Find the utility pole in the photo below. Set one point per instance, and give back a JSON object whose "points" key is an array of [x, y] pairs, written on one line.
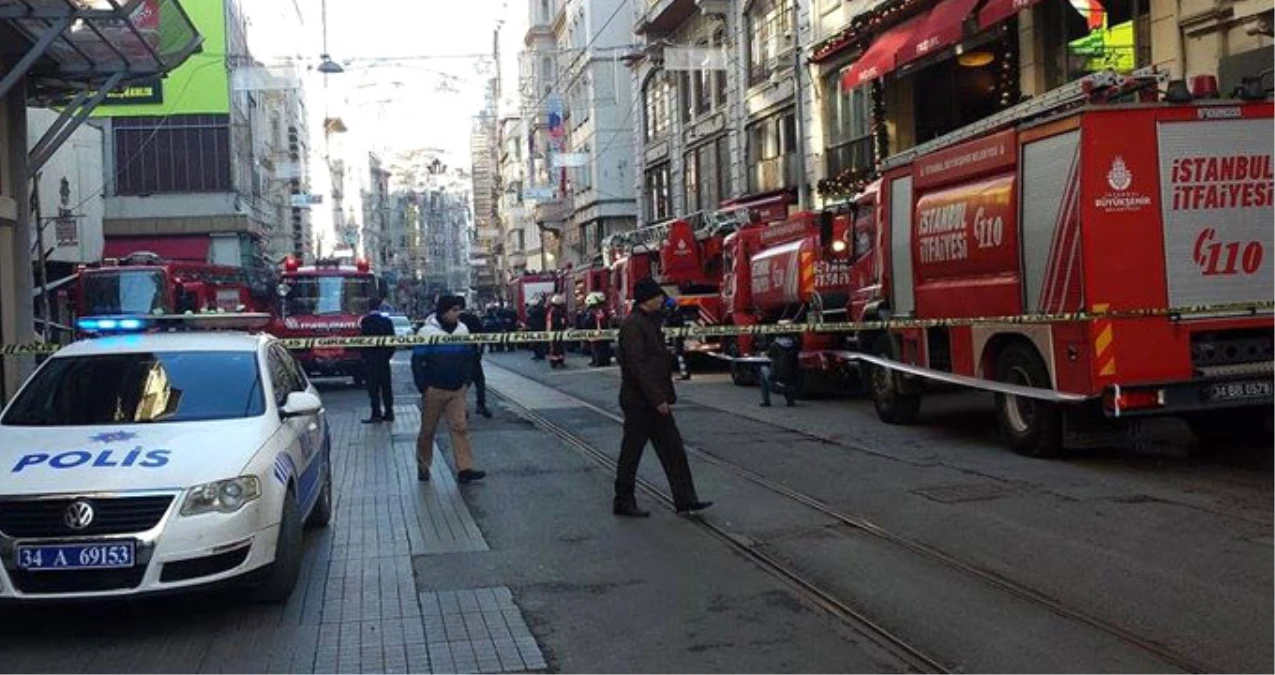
{"points": [[803, 187]]}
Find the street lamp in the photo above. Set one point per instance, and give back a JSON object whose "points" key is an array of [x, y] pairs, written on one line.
{"points": [[329, 67]]}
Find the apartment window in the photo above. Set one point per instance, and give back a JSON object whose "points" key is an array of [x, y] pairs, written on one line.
{"points": [[657, 198], [771, 144], [178, 153], [707, 175], [846, 117], [719, 81], [691, 181], [655, 97], [770, 34], [546, 74]]}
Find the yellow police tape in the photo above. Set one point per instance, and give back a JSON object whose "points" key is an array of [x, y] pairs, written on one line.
{"points": [[527, 337]]}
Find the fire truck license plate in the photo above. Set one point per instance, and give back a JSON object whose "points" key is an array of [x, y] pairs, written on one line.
{"points": [[1231, 391]]}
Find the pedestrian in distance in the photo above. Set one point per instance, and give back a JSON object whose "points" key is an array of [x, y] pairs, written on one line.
{"points": [[376, 363], [780, 373], [556, 320], [536, 317], [475, 326], [673, 319], [647, 397], [598, 319], [442, 373]]}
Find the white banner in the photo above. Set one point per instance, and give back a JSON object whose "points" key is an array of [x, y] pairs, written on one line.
{"points": [[533, 194], [302, 201], [694, 58], [564, 160]]}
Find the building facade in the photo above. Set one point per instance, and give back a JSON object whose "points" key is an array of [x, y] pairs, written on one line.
{"points": [[595, 163], [488, 248], [189, 164]]}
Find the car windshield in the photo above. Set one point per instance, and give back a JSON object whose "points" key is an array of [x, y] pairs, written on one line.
{"points": [[123, 292], [140, 387], [308, 295]]}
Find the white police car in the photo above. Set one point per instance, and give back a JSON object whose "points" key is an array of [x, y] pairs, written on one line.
{"points": [[151, 462]]}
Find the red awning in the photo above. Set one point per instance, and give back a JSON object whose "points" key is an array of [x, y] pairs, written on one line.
{"points": [[942, 27], [996, 11], [185, 249], [879, 57]]}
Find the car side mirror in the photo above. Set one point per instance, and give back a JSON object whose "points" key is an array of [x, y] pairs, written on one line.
{"points": [[300, 403]]}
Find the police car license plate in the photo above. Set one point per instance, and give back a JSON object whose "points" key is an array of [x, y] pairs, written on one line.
{"points": [[76, 556], [1232, 391]]}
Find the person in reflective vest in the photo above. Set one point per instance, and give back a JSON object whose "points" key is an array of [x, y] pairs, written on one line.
{"points": [[599, 350]]}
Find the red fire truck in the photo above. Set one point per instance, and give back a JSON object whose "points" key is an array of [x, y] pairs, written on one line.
{"points": [[685, 256], [144, 283], [526, 289], [327, 299], [791, 271], [1124, 250]]}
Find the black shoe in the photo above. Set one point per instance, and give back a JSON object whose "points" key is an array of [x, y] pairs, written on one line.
{"points": [[792, 404], [374, 419], [469, 475], [387, 418], [694, 506], [482, 410], [629, 511], [764, 404], [422, 475], [685, 377]]}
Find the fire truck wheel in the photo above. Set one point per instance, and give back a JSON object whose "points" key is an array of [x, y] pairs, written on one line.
{"points": [[1032, 427], [894, 405]]}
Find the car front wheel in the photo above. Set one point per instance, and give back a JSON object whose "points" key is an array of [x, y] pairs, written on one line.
{"points": [[283, 572]]}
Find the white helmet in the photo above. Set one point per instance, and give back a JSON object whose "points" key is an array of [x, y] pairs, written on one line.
{"points": [[594, 298], [557, 299]]}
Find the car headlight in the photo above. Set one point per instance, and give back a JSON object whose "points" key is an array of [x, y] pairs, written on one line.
{"points": [[226, 496]]}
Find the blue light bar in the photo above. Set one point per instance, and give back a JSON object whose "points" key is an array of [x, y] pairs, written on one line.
{"points": [[105, 324]]}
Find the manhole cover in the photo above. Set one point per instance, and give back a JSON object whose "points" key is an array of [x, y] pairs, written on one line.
{"points": [[950, 494]]}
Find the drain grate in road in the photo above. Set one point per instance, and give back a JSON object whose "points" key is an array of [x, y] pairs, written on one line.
{"points": [[952, 494]]}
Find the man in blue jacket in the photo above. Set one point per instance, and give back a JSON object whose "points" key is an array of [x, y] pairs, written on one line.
{"points": [[442, 373]]}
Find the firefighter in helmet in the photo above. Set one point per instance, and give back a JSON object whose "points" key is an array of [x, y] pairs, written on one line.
{"points": [[597, 319], [556, 320]]}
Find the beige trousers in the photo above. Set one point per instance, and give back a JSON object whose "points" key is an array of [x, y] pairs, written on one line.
{"points": [[434, 404]]}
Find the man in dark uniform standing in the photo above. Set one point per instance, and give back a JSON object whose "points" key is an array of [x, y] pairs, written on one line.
{"points": [[646, 396], [475, 327], [376, 363]]}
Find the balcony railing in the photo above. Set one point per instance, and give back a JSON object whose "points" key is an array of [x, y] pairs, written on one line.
{"points": [[774, 174], [855, 155]]}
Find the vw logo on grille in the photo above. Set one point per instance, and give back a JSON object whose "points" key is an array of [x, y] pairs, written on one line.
{"points": [[78, 515]]}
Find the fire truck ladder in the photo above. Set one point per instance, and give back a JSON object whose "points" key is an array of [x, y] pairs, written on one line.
{"points": [[1094, 88]]}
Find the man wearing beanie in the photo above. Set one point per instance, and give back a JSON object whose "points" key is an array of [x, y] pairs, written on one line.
{"points": [[442, 373], [646, 394]]}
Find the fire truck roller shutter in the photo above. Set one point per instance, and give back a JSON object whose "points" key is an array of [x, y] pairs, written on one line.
{"points": [[1050, 218], [903, 302]]}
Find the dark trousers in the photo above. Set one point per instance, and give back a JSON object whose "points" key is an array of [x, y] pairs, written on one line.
{"points": [[379, 388], [643, 423], [480, 381]]}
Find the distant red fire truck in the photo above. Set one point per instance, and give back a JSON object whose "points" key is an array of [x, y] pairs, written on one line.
{"points": [[326, 299], [144, 283]]}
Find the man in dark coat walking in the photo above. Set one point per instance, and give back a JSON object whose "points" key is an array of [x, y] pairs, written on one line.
{"points": [[646, 396], [376, 363]]}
